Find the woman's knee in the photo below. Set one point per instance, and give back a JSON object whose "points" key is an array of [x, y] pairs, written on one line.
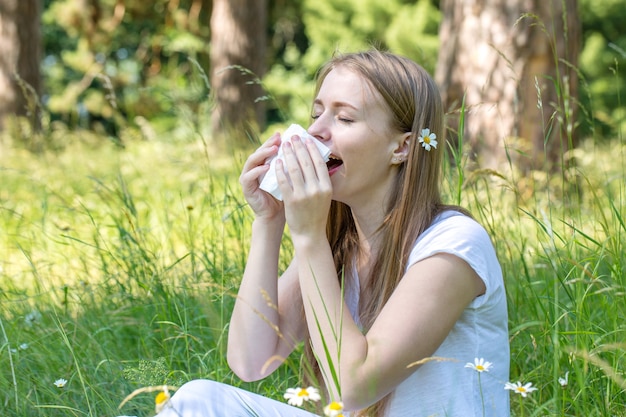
{"points": [[200, 397], [200, 388]]}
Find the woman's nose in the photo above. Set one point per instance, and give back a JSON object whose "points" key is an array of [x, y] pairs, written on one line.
{"points": [[318, 130]]}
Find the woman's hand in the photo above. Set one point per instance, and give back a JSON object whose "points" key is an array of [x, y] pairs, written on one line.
{"points": [[306, 188], [262, 203]]}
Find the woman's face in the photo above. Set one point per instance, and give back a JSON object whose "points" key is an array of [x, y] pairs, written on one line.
{"points": [[350, 117]]}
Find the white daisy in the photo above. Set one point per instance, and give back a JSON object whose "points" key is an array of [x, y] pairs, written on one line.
{"points": [[479, 365], [518, 388], [60, 383], [297, 396], [334, 409], [428, 139]]}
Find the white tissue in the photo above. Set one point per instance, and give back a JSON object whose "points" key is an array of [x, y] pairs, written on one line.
{"points": [[269, 182]]}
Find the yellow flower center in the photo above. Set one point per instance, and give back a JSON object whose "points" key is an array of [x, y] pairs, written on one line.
{"points": [[335, 406], [521, 389], [427, 139], [480, 368], [303, 393], [161, 398]]}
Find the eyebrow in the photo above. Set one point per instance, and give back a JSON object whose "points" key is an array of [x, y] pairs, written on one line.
{"points": [[335, 104]]}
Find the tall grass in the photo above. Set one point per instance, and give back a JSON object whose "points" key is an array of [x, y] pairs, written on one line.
{"points": [[565, 274], [560, 236], [117, 270]]}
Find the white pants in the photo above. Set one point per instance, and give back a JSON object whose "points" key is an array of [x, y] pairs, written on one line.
{"points": [[205, 398]]}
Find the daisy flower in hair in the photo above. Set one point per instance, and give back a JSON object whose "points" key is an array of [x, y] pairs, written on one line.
{"points": [[428, 139]]}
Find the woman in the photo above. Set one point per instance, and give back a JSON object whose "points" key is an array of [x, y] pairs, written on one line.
{"points": [[392, 291]]}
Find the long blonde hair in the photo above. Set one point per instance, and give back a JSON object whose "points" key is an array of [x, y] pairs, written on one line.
{"points": [[415, 104]]}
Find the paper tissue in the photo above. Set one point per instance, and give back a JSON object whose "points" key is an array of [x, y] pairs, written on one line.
{"points": [[269, 182]]}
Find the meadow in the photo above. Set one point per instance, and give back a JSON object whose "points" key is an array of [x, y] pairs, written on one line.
{"points": [[119, 267]]}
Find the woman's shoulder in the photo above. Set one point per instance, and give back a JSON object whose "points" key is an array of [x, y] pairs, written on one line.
{"points": [[456, 233], [453, 224]]}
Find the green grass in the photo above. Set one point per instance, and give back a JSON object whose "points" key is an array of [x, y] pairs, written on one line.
{"points": [[132, 258], [561, 249]]}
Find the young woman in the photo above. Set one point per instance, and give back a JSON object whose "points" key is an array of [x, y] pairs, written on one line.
{"points": [[392, 291]]}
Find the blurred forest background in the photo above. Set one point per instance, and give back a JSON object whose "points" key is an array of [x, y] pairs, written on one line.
{"points": [[84, 70]]}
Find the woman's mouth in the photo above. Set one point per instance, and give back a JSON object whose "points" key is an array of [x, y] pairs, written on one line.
{"points": [[333, 164]]}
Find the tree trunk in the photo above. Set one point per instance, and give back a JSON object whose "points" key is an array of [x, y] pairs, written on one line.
{"points": [[512, 63], [238, 61], [20, 55]]}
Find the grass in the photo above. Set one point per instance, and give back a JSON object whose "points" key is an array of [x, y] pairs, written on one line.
{"points": [[130, 260], [118, 270], [565, 271]]}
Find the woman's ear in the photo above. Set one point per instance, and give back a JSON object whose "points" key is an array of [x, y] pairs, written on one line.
{"points": [[401, 152]]}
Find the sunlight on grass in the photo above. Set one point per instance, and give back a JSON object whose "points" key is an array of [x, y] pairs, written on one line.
{"points": [[114, 263]]}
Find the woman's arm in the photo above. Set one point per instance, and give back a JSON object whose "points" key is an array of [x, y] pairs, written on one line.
{"points": [[266, 322], [415, 321]]}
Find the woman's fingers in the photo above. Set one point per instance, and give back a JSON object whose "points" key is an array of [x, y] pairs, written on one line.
{"points": [[263, 204], [297, 162], [255, 165], [321, 170], [305, 187], [265, 151], [313, 166], [306, 169], [249, 179]]}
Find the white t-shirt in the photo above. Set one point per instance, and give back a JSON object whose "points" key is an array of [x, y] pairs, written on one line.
{"points": [[448, 388]]}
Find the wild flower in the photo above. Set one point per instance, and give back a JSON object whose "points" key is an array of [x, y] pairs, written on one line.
{"points": [[60, 383], [24, 346], [297, 396], [520, 389], [334, 409], [428, 139], [32, 317], [161, 399], [564, 381], [479, 365]]}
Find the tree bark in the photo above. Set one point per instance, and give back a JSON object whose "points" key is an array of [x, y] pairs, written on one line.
{"points": [[511, 61], [20, 56], [238, 61]]}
